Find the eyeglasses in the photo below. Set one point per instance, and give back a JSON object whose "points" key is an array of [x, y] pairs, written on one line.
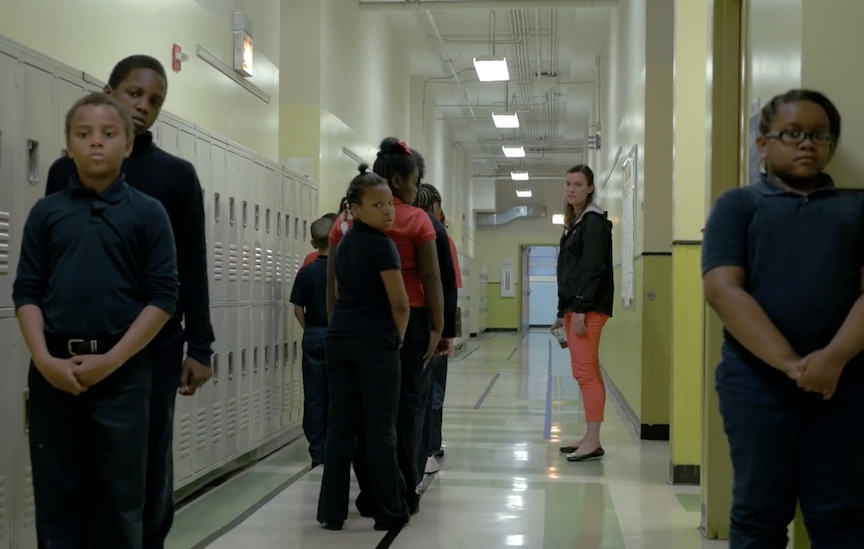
{"points": [[796, 137]]}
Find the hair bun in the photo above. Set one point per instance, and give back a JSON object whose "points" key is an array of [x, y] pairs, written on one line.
{"points": [[364, 169]]}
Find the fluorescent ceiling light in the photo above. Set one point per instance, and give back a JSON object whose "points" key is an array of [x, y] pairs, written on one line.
{"points": [[524, 193], [519, 176], [557, 219], [491, 68], [506, 120], [514, 152]]}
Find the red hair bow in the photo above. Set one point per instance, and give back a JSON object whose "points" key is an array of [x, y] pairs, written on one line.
{"points": [[404, 147]]}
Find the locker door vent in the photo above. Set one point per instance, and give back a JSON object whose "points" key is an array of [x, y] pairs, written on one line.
{"points": [[244, 413], [29, 510], [259, 264], [278, 266], [201, 429], [232, 262], [5, 242], [256, 407], [269, 268], [231, 429], [217, 260], [216, 433], [185, 435], [247, 263]]}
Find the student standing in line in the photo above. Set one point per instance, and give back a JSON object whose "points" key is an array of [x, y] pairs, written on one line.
{"points": [[313, 255], [782, 262], [414, 236], [96, 281], [309, 297], [139, 84], [586, 290], [429, 200], [367, 329]]}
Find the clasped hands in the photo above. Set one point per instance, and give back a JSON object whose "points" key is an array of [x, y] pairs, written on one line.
{"points": [[817, 372], [74, 375]]}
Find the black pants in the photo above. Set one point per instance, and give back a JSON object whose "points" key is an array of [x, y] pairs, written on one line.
{"points": [[166, 357], [315, 392], [364, 379], [89, 458], [409, 425], [424, 418], [789, 446], [435, 411]]}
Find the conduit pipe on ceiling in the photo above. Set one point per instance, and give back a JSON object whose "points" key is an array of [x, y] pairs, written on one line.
{"points": [[420, 5]]}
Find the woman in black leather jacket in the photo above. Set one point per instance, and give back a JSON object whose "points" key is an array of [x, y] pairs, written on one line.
{"points": [[586, 291]]}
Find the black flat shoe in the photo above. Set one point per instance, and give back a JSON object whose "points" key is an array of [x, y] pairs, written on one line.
{"points": [[568, 449], [333, 525], [596, 454], [395, 524]]}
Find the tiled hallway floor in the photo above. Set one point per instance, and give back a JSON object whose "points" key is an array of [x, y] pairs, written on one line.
{"points": [[503, 483]]}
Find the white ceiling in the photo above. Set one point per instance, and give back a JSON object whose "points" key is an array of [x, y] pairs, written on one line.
{"points": [[554, 107]]}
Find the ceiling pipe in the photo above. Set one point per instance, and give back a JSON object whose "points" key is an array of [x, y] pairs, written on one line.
{"points": [[420, 5]]}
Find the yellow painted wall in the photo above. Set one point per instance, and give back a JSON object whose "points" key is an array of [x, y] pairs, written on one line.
{"points": [[635, 347], [92, 35], [686, 396]]}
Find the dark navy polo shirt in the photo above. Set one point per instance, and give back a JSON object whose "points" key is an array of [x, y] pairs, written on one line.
{"points": [[93, 262], [310, 292], [362, 309], [802, 255]]}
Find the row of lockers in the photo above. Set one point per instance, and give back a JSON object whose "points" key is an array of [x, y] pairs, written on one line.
{"points": [[258, 216]]}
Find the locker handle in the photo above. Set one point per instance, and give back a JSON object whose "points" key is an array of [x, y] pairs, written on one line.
{"points": [[243, 362], [294, 357], [255, 360], [215, 368], [267, 357], [33, 161], [26, 411], [230, 365]]}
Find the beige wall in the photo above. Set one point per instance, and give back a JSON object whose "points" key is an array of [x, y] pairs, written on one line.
{"points": [[92, 35]]}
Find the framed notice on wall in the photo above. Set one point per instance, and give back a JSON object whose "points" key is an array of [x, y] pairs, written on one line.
{"points": [[508, 282], [628, 231]]}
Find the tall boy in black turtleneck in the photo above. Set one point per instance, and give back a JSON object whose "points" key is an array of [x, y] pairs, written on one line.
{"points": [[140, 84]]}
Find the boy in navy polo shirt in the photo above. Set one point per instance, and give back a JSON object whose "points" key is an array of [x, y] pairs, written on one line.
{"points": [[782, 263], [96, 281], [309, 297]]}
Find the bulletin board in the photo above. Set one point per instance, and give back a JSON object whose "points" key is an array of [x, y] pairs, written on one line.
{"points": [[628, 229]]}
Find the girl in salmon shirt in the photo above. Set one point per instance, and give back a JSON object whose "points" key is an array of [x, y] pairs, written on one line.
{"points": [[414, 236]]}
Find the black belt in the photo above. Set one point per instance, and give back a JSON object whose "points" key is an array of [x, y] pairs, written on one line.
{"points": [[78, 346]]}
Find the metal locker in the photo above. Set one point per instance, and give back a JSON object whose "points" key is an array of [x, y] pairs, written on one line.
{"points": [[69, 90], [218, 386], [24, 505], [257, 374], [182, 441], [244, 421], [305, 207], [246, 186], [267, 371], [287, 385], [287, 233], [230, 380], [11, 218], [233, 186], [11, 389], [299, 248], [259, 199], [38, 142], [269, 208], [218, 224], [277, 377], [168, 137]]}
